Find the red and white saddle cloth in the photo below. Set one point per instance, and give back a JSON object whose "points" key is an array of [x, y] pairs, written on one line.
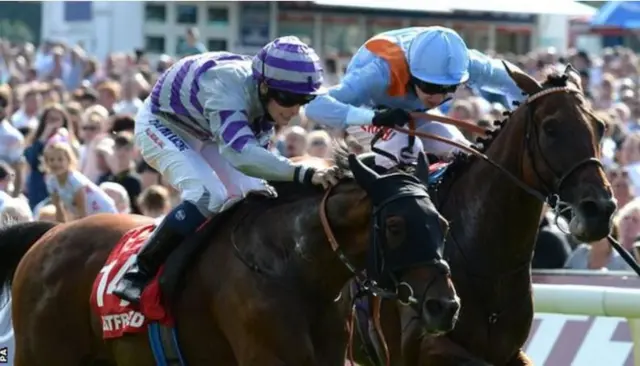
{"points": [[118, 316]]}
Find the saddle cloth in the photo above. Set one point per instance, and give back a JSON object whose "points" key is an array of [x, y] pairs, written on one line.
{"points": [[118, 316]]}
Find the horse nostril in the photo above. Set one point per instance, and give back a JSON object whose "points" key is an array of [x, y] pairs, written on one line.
{"points": [[588, 208], [434, 307]]}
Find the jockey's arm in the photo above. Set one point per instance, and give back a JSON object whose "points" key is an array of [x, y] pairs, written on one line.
{"points": [[239, 146], [225, 107], [339, 108], [256, 161], [490, 75]]}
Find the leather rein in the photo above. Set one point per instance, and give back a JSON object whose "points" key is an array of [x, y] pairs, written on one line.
{"points": [[552, 199]]}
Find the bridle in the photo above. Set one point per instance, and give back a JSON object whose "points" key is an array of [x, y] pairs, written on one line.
{"points": [[551, 193], [367, 284]]}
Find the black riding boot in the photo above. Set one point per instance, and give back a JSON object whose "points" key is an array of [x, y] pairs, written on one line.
{"points": [[153, 254]]}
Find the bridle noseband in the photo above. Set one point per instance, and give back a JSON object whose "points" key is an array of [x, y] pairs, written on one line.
{"points": [[552, 190], [367, 284]]}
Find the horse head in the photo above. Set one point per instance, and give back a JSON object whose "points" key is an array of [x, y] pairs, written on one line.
{"points": [[562, 150], [405, 238]]}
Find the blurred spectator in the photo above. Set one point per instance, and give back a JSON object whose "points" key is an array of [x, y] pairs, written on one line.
{"points": [[52, 120], [122, 168], [148, 175], [332, 73], [122, 122], [15, 211], [129, 103], [318, 144], [154, 201], [628, 222], [119, 195], [598, 255], [26, 118], [295, 141], [623, 189], [109, 95], [192, 44]]}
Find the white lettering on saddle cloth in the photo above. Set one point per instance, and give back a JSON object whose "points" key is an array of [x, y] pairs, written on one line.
{"points": [[119, 321], [116, 314]]}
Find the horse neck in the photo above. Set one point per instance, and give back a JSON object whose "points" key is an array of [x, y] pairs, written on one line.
{"points": [[493, 220], [323, 271]]}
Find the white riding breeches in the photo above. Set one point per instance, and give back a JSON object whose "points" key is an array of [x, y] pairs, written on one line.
{"points": [[193, 167], [395, 142]]}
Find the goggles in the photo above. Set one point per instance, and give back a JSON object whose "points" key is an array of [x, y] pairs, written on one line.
{"points": [[288, 99], [429, 88]]}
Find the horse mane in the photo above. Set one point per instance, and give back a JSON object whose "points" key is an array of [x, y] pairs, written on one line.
{"points": [[462, 160]]}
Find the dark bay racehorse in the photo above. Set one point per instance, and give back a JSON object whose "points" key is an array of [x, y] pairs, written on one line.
{"points": [[281, 311], [550, 143]]}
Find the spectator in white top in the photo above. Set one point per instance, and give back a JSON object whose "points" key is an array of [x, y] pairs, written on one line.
{"points": [[15, 211], [119, 195], [129, 102], [26, 118]]}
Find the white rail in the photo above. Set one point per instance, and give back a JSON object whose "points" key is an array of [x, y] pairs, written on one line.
{"points": [[587, 300]]}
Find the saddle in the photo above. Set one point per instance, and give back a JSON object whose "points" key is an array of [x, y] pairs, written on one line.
{"points": [[182, 257]]}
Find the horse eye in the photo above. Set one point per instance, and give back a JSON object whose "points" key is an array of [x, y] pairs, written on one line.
{"points": [[549, 128], [395, 224]]}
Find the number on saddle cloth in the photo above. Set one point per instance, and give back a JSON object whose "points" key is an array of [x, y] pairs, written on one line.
{"points": [[118, 317]]}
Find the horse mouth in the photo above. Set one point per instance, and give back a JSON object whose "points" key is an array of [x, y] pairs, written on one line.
{"points": [[438, 323], [588, 230]]}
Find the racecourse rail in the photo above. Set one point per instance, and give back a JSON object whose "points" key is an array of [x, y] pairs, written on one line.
{"points": [[593, 300]]}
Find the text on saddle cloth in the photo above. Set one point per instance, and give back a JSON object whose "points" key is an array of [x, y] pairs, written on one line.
{"points": [[118, 316]]}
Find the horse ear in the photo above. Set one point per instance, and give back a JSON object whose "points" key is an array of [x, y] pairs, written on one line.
{"points": [[525, 82], [574, 76], [363, 175], [422, 170]]}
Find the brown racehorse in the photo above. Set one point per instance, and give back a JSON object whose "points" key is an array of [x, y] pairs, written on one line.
{"points": [[550, 143], [230, 313]]}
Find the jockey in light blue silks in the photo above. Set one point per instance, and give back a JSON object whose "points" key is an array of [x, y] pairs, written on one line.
{"points": [[410, 69], [205, 128]]}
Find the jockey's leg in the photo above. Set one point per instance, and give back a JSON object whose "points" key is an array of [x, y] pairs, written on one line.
{"points": [[179, 161], [398, 146], [439, 148]]}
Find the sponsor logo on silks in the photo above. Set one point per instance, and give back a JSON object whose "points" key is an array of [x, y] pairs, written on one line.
{"points": [[375, 129], [156, 140], [166, 132], [4, 355], [113, 322]]}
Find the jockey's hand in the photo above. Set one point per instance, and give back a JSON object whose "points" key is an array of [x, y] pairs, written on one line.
{"points": [[326, 177], [391, 118]]}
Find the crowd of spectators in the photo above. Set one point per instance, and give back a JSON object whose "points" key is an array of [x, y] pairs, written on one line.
{"points": [[67, 151]]}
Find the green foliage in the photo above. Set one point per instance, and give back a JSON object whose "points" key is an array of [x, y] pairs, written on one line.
{"points": [[15, 31]]}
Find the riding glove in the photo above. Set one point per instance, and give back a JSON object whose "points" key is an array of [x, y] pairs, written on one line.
{"points": [[326, 177], [391, 118]]}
